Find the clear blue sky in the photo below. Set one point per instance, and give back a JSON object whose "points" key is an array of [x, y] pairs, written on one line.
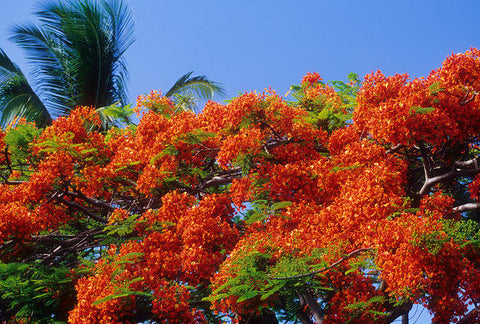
{"points": [[251, 45]]}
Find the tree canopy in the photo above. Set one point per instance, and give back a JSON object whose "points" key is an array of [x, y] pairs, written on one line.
{"points": [[351, 202]]}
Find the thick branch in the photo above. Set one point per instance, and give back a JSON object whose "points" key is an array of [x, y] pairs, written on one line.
{"points": [[82, 209], [466, 101], [220, 178], [92, 201], [400, 310], [426, 160], [274, 142], [348, 256], [7, 159], [471, 317], [466, 207], [394, 149], [460, 168], [312, 303], [62, 246]]}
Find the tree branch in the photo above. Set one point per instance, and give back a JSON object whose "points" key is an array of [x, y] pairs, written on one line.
{"points": [[465, 100], [348, 256], [82, 209], [470, 317], [460, 168], [312, 303], [219, 178], [394, 149], [399, 311], [467, 206], [425, 159], [92, 201], [62, 245]]}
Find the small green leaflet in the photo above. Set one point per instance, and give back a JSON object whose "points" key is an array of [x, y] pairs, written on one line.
{"points": [[415, 110]]}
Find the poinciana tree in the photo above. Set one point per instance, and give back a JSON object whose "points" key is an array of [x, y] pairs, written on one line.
{"points": [[333, 207]]}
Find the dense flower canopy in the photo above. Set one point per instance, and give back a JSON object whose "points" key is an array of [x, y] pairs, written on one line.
{"points": [[350, 202]]}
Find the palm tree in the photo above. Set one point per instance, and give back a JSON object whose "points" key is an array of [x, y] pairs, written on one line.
{"points": [[77, 57], [187, 90], [17, 97]]}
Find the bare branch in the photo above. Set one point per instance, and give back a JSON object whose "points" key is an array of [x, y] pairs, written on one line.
{"points": [[467, 163], [271, 143], [62, 245], [82, 209], [466, 101], [92, 201], [467, 206], [394, 149], [220, 178], [425, 159], [460, 168], [313, 306], [7, 159]]}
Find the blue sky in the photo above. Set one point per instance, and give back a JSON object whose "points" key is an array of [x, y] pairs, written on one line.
{"points": [[252, 45]]}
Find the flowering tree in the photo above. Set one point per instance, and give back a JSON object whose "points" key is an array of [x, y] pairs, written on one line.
{"points": [[347, 203]]}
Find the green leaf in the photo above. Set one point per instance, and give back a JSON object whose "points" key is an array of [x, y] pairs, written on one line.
{"points": [[420, 110], [250, 294], [378, 313], [271, 292], [132, 255], [281, 205], [110, 297]]}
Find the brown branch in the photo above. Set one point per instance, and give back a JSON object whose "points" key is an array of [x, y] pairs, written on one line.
{"points": [[466, 101], [7, 159], [471, 317], [313, 306], [91, 201], [82, 209], [425, 159], [220, 178], [467, 206], [348, 256], [62, 245], [399, 311], [460, 168], [394, 149], [13, 183], [271, 143], [467, 163]]}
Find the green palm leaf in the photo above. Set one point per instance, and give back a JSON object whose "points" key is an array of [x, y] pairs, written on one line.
{"points": [[200, 85], [77, 52], [17, 97]]}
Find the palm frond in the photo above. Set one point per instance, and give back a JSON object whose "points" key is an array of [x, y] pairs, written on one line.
{"points": [[200, 85], [7, 67], [49, 60], [17, 98], [99, 35], [77, 51]]}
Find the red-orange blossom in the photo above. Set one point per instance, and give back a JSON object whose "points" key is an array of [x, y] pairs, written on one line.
{"points": [[260, 207]]}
